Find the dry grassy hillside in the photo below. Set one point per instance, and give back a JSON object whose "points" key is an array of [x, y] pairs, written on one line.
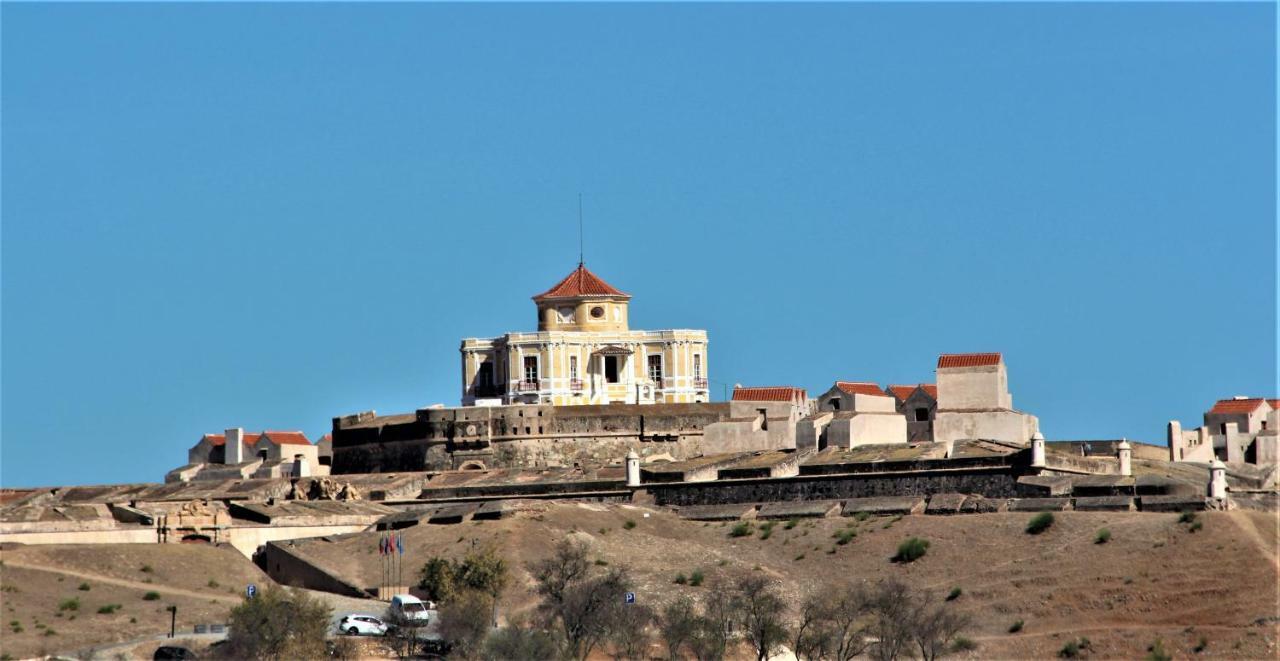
{"points": [[1155, 579], [40, 584]]}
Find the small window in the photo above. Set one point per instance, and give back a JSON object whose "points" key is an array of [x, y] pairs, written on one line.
{"points": [[1224, 429], [530, 369], [764, 419], [697, 366], [484, 374], [655, 368], [922, 415], [597, 312], [573, 368], [834, 403], [611, 369]]}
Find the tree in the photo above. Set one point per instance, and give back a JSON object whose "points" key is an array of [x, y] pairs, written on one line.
{"points": [[278, 623], [587, 607], [518, 641], [715, 629], [436, 579], [891, 606], [761, 614], [933, 626], [677, 624], [629, 632], [464, 623], [483, 570]]}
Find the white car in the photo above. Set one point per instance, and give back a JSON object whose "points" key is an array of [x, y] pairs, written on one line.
{"points": [[362, 625], [412, 609]]}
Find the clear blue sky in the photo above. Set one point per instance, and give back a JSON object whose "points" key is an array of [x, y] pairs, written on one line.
{"points": [[268, 215]]}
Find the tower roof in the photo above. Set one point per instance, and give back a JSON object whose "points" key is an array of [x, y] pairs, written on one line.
{"points": [[580, 283]]}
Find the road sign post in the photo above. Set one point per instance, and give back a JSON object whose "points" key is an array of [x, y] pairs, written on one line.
{"points": [[629, 598], [251, 591]]}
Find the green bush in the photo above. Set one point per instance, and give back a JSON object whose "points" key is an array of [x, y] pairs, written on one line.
{"points": [[601, 562], [1015, 627], [861, 516], [1070, 651], [696, 578], [799, 558], [1187, 517], [1102, 537], [213, 584], [69, 605], [84, 587], [628, 524], [151, 596], [680, 579], [146, 569], [791, 523], [766, 529], [911, 550], [740, 529], [962, 644], [845, 536], [954, 594], [1200, 645], [1156, 652], [1040, 523], [109, 609], [1196, 526]]}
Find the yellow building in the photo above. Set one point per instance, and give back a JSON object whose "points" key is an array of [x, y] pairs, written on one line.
{"points": [[583, 353]]}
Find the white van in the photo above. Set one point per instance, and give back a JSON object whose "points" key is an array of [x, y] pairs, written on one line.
{"points": [[412, 608]]}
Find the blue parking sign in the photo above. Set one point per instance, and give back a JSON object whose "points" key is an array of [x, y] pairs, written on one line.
{"points": [[629, 598], [251, 591]]}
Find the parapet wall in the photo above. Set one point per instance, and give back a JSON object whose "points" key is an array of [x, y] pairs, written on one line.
{"points": [[992, 482], [533, 436]]}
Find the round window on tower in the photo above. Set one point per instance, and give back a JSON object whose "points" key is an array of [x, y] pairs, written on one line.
{"points": [[597, 312]]}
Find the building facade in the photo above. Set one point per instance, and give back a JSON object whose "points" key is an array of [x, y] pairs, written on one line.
{"points": [[1236, 430], [584, 353], [974, 401]]}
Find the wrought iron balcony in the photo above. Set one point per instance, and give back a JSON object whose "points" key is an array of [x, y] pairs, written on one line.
{"points": [[700, 384], [575, 385], [527, 386]]}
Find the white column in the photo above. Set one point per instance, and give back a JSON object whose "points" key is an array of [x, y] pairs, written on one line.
{"points": [[1217, 479], [1037, 450], [234, 448], [633, 469], [1125, 452]]}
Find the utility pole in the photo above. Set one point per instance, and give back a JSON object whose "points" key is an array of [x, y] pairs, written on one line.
{"points": [[173, 620]]}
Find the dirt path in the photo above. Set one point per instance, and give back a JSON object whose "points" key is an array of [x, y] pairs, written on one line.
{"points": [[1110, 627], [146, 587], [1250, 530]]}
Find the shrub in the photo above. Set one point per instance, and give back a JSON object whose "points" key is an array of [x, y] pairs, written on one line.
{"points": [[1200, 645], [1015, 627], [628, 524], [109, 609], [50, 632], [278, 624], [133, 620], [1156, 652], [954, 594], [213, 584], [1070, 651], [799, 557], [680, 579], [1040, 523], [1187, 517], [1196, 526], [845, 536], [766, 530], [1102, 537], [862, 516], [151, 596], [791, 523], [911, 550], [696, 578], [146, 569], [84, 587], [69, 604], [601, 562], [740, 529], [962, 644]]}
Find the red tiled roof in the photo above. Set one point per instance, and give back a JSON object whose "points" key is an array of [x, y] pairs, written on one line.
{"points": [[286, 437], [860, 388], [580, 283], [902, 392], [1237, 405], [221, 439], [968, 359], [1275, 404], [276, 437], [931, 389], [768, 394]]}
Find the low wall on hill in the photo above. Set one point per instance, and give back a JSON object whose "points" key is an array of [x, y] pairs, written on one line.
{"points": [[992, 482]]}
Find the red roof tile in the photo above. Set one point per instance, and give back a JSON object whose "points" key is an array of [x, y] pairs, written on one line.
{"points": [[902, 392], [580, 283], [968, 359], [1237, 405], [276, 437], [768, 394], [1275, 404], [286, 437], [931, 389], [860, 388]]}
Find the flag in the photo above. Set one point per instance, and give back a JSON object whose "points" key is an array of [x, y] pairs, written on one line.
{"points": [[382, 545], [400, 543]]}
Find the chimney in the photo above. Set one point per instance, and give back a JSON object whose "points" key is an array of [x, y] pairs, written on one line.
{"points": [[234, 449]]}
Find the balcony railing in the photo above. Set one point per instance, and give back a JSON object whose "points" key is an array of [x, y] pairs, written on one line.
{"points": [[700, 384], [527, 386], [575, 385]]}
